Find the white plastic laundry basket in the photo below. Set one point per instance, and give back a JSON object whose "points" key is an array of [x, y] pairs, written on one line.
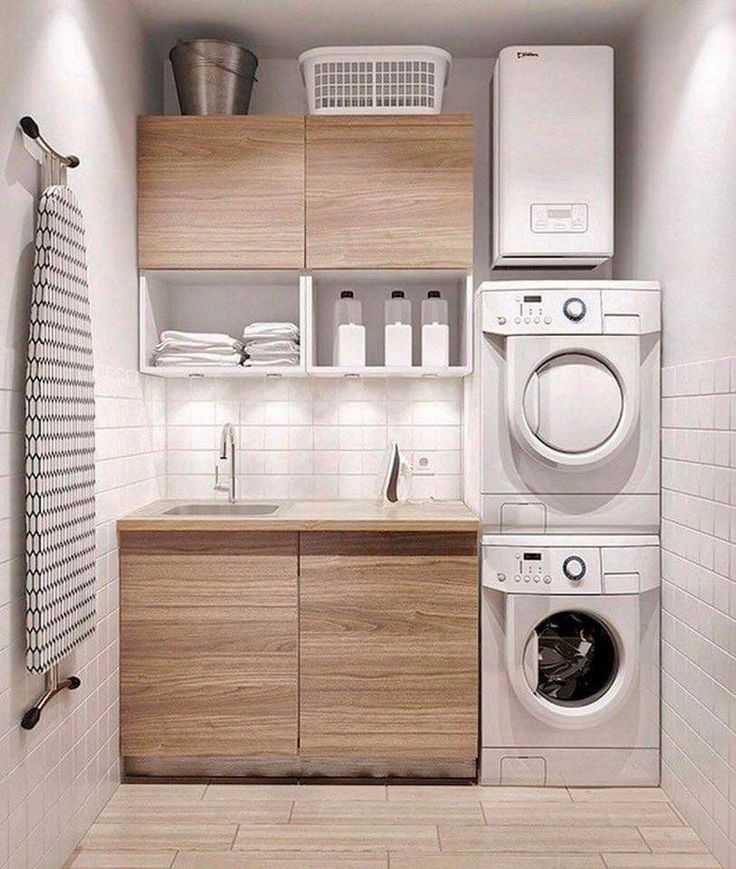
{"points": [[375, 80]]}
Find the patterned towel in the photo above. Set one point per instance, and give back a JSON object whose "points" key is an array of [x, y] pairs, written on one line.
{"points": [[60, 439]]}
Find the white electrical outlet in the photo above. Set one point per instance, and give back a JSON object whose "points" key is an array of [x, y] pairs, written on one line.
{"points": [[423, 464]]}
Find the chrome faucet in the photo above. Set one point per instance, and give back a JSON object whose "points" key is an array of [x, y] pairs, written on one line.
{"points": [[227, 440]]}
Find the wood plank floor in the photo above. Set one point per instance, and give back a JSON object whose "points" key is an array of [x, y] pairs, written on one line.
{"points": [[389, 827]]}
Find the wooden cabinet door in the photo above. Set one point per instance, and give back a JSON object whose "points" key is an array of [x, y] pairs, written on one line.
{"points": [[208, 643], [389, 192], [221, 192], [389, 645]]}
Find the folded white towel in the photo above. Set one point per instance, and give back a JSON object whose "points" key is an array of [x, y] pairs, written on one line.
{"points": [[262, 363], [198, 359], [270, 330], [197, 337], [273, 343], [272, 347], [170, 347], [275, 360]]}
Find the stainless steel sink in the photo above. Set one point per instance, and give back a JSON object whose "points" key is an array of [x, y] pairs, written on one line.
{"points": [[244, 509]]}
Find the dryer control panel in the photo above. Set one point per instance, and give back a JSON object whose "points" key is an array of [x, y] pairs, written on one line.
{"points": [[569, 308], [543, 312]]}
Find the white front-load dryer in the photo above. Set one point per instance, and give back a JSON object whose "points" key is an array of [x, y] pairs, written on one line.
{"points": [[570, 660], [568, 407]]}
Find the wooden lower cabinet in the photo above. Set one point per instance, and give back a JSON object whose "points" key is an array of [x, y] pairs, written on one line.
{"points": [[209, 644], [389, 645]]}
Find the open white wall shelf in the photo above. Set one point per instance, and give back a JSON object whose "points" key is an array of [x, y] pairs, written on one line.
{"points": [[218, 301], [372, 288], [227, 301]]}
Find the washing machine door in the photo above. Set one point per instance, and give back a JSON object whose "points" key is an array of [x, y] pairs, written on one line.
{"points": [[574, 404], [572, 662]]}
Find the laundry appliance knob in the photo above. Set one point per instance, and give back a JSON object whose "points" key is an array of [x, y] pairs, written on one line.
{"points": [[574, 568], [574, 309]]}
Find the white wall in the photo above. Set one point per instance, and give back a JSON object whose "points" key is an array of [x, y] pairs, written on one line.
{"points": [[80, 67], [677, 223], [676, 171]]}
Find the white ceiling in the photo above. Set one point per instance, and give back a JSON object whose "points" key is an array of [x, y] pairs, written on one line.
{"points": [[466, 28]]}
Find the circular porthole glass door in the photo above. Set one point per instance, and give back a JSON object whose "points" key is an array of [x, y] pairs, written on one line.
{"points": [[573, 403], [571, 659]]}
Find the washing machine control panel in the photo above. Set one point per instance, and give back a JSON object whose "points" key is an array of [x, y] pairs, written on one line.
{"points": [[542, 570], [543, 312]]}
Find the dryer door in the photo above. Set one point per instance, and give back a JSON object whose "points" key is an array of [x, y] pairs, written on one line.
{"points": [[575, 404], [572, 661]]}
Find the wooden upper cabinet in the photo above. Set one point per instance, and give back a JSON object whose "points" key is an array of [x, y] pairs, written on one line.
{"points": [[208, 644], [389, 192], [389, 645], [221, 192]]}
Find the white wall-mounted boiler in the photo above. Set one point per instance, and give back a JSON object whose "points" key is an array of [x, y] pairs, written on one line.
{"points": [[553, 156]]}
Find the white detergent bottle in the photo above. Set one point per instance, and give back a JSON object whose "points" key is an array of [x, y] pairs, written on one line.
{"points": [[435, 331], [397, 331], [349, 336]]}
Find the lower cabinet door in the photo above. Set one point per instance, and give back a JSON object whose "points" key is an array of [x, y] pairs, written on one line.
{"points": [[209, 630], [389, 645]]}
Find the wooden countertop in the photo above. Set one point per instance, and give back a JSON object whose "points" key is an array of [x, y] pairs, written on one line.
{"points": [[311, 516]]}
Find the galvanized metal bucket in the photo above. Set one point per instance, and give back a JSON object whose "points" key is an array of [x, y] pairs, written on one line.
{"points": [[213, 77]]}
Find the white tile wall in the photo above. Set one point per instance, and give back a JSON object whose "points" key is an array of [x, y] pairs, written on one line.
{"points": [[699, 598], [56, 778], [312, 438]]}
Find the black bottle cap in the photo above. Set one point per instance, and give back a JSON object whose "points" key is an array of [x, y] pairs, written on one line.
{"points": [[397, 294], [347, 294], [433, 294]]}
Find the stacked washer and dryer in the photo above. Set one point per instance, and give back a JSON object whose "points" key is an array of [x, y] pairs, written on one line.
{"points": [[567, 412]]}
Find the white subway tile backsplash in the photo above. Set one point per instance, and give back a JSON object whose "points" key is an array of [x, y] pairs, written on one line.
{"points": [[350, 463], [373, 437], [349, 437], [303, 436], [326, 488], [325, 438], [326, 462], [699, 597], [276, 413], [276, 437]]}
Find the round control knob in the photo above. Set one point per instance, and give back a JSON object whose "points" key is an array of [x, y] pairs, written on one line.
{"points": [[574, 568], [574, 309]]}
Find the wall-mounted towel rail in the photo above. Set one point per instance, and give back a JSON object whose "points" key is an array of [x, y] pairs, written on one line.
{"points": [[30, 128]]}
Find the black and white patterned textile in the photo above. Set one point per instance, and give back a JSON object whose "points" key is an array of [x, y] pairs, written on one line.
{"points": [[60, 439]]}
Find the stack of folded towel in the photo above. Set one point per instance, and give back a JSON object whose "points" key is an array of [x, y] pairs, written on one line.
{"points": [[271, 344], [198, 348]]}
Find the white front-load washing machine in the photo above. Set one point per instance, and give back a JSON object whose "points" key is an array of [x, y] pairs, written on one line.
{"points": [[566, 407], [570, 660]]}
